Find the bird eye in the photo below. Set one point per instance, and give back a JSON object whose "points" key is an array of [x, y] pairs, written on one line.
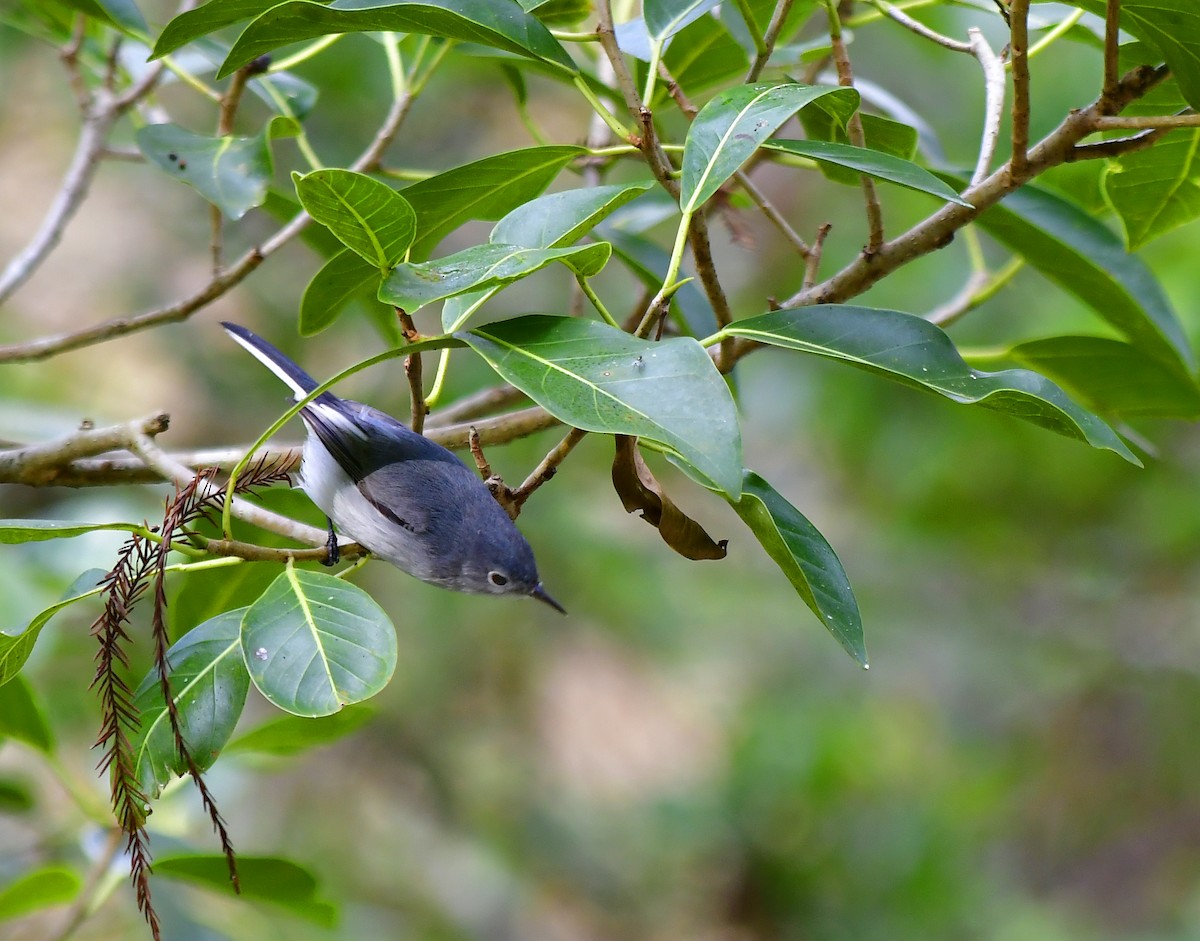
{"points": [[498, 579]]}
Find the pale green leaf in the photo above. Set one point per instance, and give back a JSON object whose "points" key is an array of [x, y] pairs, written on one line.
{"points": [[15, 648], [42, 888], [341, 279], [367, 216], [314, 643], [269, 879], [598, 378]]}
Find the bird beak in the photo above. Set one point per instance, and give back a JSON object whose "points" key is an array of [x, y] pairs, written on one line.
{"points": [[540, 594]]}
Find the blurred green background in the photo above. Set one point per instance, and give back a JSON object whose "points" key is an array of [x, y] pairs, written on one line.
{"points": [[688, 755]]}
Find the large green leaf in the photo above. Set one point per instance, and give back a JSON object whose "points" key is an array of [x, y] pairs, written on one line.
{"points": [[341, 279], [879, 134], [806, 559], [1156, 189], [42, 888], [204, 19], [1170, 26], [314, 643], [1085, 258], [15, 648], [916, 353], [21, 716], [598, 378], [499, 23], [731, 127], [412, 286], [1111, 377], [208, 685], [486, 189], [367, 216], [290, 735], [881, 166], [267, 878], [17, 531], [664, 18], [232, 173], [559, 219]]}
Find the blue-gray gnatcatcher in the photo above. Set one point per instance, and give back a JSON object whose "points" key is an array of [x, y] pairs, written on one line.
{"points": [[401, 496]]}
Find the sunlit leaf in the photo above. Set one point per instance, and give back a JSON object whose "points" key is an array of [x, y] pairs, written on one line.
{"points": [[485, 189], [17, 531], [291, 735], [412, 286], [314, 643], [664, 18], [232, 173], [912, 351], [367, 216], [21, 716], [15, 648], [208, 685], [731, 127], [559, 219], [204, 19], [42, 888], [806, 558], [266, 878], [598, 378], [498, 23], [1156, 189], [873, 163]]}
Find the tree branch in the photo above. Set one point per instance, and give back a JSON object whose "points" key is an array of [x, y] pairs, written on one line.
{"points": [[1018, 14]]}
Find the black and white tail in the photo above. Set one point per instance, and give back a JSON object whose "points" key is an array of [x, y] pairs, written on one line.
{"points": [[300, 382]]}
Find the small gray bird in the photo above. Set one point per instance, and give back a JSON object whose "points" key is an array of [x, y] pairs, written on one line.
{"points": [[403, 497]]}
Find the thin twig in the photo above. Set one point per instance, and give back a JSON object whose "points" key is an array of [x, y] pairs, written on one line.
{"points": [[413, 369], [1018, 13], [608, 42], [920, 28], [980, 287], [81, 907], [1117, 146], [548, 467], [774, 215], [854, 129], [763, 54], [993, 101], [813, 263], [37, 464], [1147, 122]]}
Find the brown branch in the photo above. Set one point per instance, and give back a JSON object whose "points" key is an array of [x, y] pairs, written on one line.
{"points": [[548, 467], [1018, 13], [1112, 40], [414, 371], [37, 465], [1117, 146], [937, 230], [813, 263]]}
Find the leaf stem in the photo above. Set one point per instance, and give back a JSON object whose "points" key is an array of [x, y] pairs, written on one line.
{"points": [[592, 296], [602, 110], [303, 55]]}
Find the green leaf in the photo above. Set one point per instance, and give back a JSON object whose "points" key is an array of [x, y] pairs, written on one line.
{"points": [[367, 216], [916, 353], [205, 19], [704, 55], [314, 643], [15, 797], [267, 878], [45, 888], [731, 127], [1111, 377], [498, 23], [232, 173], [1085, 258], [1157, 189], [340, 280], [18, 531], [557, 12], [763, 10], [285, 94], [598, 378], [21, 716], [664, 18], [560, 219], [123, 14], [208, 685], [879, 134], [486, 189], [291, 735], [1170, 26], [412, 286], [873, 163], [807, 560], [15, 648]]}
